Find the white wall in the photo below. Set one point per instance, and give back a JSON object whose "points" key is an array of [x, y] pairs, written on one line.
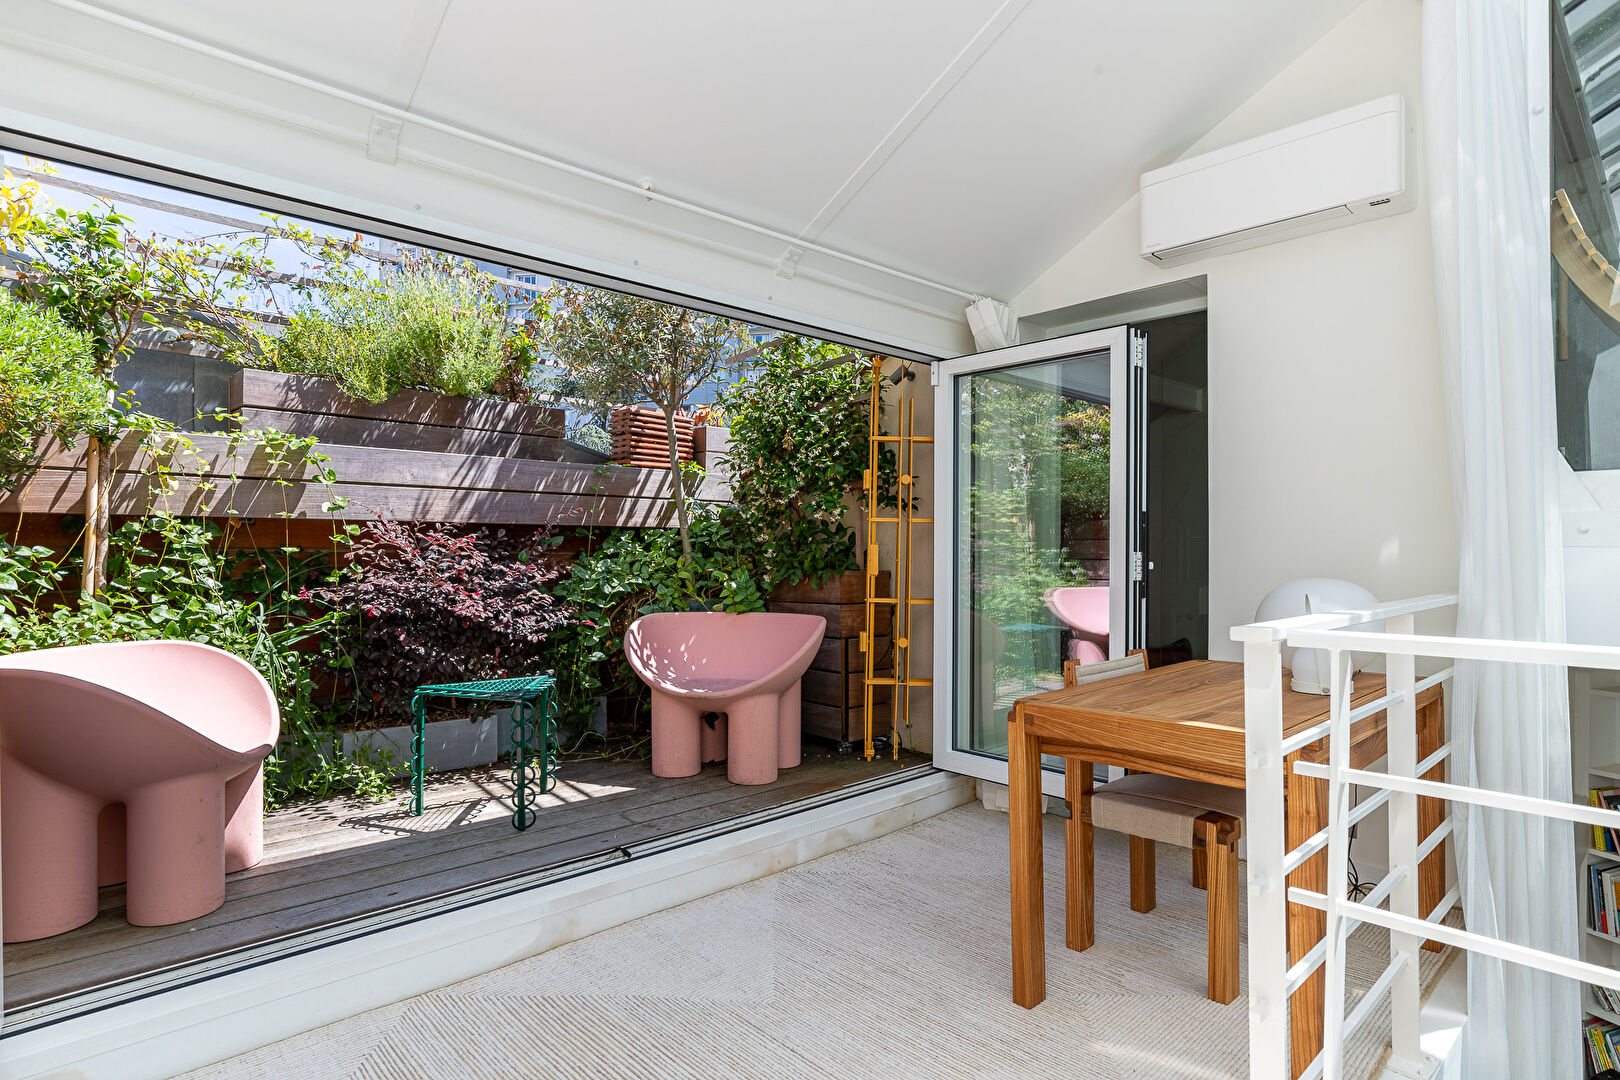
{"points": [[1327, 431]]}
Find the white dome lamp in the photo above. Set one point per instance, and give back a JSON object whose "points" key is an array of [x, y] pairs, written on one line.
{"points": [[1315, 596]]}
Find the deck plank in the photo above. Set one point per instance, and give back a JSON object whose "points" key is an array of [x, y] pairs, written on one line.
{"points": [[341, 858]]}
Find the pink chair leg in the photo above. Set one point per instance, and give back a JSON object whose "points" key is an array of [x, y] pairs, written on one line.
{"points": [[752, 753], [788, 745], [677, 747], [244, 819], [176, 850], [48, 841], [713, 738]]}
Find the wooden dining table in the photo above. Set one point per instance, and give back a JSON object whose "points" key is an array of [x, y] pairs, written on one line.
{"points": [[1187, 720]]}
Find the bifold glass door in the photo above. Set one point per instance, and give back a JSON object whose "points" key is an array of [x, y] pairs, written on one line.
{"points": [[1033, 559]]}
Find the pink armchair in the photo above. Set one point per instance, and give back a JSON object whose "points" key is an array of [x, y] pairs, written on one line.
{"points": [[1084, 609], [136, 761], [745, 667]]}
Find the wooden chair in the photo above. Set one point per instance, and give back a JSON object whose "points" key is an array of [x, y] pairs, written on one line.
{"points": [[1207, 818]]}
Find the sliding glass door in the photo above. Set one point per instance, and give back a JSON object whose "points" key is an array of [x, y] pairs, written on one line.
{"points": [[1034, 563]]}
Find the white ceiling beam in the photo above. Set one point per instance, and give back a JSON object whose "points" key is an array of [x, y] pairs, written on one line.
{"points": [[405, 75], [942, 85], [422, 28]]}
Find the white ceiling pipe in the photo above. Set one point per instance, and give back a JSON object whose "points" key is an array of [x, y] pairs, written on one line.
{"points": [[382, 108]]}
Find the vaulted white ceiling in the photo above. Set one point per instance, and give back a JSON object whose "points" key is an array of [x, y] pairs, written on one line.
{"points": [[962, 144]]}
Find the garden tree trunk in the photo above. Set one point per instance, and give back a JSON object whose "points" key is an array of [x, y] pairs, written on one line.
{"points": [[676, 479], [97, 496]]}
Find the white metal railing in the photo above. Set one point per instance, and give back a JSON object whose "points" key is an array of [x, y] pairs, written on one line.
{"points": [[1272, 980]]}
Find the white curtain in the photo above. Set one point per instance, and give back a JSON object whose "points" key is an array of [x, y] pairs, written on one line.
{"points": [[1510, 724]]}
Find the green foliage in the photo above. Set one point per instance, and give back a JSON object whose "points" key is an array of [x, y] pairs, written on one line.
{"points": [[1083, 434], [434, 323], [109, 284], [592, 437], [50, 387], [636, 571], [170, 578], [798, 450], [1024, 456], [616, 348], [27, 573]]}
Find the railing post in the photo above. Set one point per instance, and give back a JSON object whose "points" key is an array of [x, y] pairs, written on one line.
{"points": [[1339, 742], [1268, 899], [1401, 726]]}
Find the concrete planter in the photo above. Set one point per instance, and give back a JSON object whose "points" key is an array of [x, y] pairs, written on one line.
{"points": [[461, 743]]}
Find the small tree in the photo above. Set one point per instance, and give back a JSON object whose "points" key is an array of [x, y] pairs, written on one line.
{"points": [[623, 348], [109, 284]]}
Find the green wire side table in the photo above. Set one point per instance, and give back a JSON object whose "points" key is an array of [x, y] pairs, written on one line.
{"points": [[534, 713]]}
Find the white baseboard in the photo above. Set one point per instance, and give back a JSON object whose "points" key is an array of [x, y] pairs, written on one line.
{"points": [[217, 1018]]}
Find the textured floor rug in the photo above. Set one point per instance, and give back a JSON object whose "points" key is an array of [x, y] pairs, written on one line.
{"points": [[889, 959]]}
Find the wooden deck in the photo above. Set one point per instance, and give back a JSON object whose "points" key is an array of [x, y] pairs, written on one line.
{"points": [[341, 858]]}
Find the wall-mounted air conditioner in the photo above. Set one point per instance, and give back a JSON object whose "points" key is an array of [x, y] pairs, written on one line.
{"points": [[1336, 170]]}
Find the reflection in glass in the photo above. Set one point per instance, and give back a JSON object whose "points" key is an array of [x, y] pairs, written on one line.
{"points": [[1585, 236], [1033, 483]]}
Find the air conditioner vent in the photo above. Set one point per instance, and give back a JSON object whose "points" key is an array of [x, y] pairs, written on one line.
{"points": [[1328, 172]]}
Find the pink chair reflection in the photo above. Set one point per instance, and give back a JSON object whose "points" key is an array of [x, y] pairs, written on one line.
{"points": [[743, 667], [137, 761], [1084, 609]]}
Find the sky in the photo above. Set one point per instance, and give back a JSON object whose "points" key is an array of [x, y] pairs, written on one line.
{"points": [[190, 221]]}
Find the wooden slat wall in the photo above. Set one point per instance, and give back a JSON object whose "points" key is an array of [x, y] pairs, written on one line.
{"points": [[253, 389], [402, 485], [410, 420]]}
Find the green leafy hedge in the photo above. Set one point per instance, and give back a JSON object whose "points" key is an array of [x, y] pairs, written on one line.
{"points": [[49, 386]]}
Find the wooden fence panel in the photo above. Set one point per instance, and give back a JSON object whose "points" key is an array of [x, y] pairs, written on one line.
{"points": [[221, 476]]}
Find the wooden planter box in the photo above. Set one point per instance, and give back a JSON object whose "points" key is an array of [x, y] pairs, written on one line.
{"points": [[834, 689], [641, 437], [410, 420]]}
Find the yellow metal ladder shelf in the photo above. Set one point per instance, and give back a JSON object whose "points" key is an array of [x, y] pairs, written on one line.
{"points": [[905, 443]]}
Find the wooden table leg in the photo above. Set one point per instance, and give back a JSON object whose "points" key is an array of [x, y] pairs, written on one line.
{"points": [[1218, 834], [1079, 857], [1431, 725], [1024, 812], [1306, 814], [1144, 875]]}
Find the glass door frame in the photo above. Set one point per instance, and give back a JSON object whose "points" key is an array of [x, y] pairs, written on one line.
{"points": [[1116, 342]]}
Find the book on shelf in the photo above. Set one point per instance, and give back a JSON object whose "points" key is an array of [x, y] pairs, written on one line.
{"points": [[1606, 999], [1603, 897], [1608, 799], [1600, 1052]]}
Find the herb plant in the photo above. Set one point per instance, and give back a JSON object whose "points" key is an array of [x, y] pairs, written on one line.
{"points": [[435, 323]]}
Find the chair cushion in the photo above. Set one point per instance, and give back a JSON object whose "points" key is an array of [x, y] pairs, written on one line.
{"points": [[1078, 674], [1161, 808]]}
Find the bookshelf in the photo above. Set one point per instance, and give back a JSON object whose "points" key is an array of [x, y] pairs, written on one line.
{"points": [[1595, 748]]}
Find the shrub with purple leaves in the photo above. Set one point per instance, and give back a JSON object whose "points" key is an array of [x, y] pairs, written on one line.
{"points": [[443, 603]]}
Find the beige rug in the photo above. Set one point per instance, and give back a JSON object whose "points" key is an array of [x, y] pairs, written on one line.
{"points": [[885, 960]]}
